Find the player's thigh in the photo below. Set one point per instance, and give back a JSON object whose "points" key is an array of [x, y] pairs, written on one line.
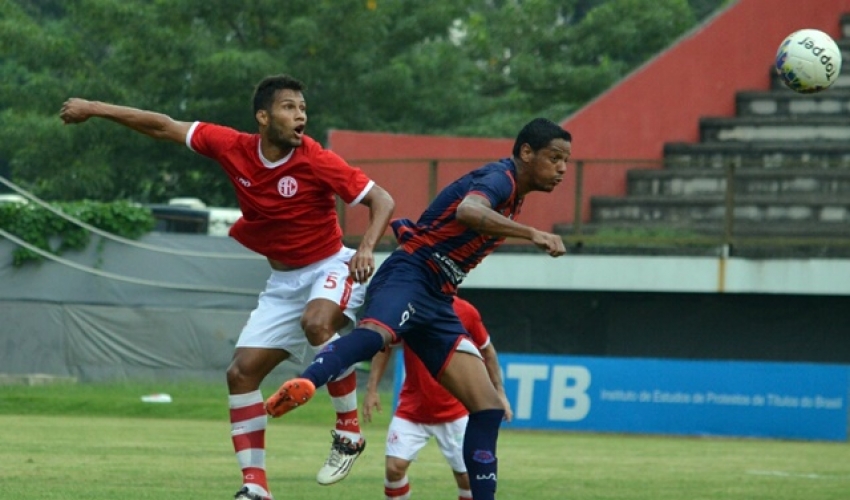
{"points": [[466, 378], [405, 439], [449, 437], [341, 298], [396, 302], [276, 321], [437, 334]]}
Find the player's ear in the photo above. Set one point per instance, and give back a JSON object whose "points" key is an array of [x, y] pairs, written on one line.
{"points": [[262, 117], [526, 153]]}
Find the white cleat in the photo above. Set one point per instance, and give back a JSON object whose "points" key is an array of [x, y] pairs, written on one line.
{"points": [[343, 454]]}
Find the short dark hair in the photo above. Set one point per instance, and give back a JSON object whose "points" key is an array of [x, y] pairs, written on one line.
{"points": [[538, 133], [268, 87]]}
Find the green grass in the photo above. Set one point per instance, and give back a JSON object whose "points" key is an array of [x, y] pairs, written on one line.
{"points": [[99, 442]]}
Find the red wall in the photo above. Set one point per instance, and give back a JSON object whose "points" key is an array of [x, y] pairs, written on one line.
{"points": [[660, 102]]}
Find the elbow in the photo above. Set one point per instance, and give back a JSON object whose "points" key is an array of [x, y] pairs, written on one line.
{"points": [[381, 201], [465, 214], [390, 204]]}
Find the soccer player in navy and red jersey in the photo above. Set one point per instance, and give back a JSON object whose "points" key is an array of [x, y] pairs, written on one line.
{"points": [[286, 185], [410, 296], [425, 409]]}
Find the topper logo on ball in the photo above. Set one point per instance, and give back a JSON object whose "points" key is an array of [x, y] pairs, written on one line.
{"points": [[826, 60]]}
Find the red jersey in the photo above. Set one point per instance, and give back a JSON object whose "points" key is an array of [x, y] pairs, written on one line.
{"points": [[422, 399], [288, 206]]}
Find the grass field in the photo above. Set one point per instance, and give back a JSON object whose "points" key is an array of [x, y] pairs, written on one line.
{"points": [[99, 442]]}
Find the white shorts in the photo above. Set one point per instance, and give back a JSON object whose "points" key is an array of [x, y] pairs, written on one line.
{"points": [[276, 322], [406, 438]]}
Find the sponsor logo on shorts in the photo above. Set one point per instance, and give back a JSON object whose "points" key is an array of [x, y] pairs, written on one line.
{"points": [[484, 456], [484, 477], [392, 438]]}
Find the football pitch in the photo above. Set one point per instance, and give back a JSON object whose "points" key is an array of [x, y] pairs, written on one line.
{"points": [[100, 442]]}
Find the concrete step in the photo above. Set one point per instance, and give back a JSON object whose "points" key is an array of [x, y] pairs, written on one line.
{"points": [[782, 104], [755, 129], [755, 208], [698, 182], [769, 156]]}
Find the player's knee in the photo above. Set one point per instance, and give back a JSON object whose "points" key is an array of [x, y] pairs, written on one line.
{"points": [[317, 329], [396, 469], [235, 376], [241, 380]]}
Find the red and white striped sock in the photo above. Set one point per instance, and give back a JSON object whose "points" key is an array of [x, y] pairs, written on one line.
{"points": [[248, 421], [464, 494], [397, 490], [343, 393]]}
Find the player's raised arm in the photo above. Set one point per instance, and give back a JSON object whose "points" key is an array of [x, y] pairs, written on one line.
{"points": [[150, 123], [475, 212]]}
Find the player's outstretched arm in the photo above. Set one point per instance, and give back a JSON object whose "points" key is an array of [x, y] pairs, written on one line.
{"points": [[381, 206], [491, 361], [152, 124], [372, 400], [475, 212]]}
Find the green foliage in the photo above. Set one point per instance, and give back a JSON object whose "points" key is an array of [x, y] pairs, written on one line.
{"points": [[47, 231], [448, 67]]}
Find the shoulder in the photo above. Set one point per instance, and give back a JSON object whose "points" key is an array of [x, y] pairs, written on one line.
{"points": [[465, 310], [313, 150], [219, 133]]}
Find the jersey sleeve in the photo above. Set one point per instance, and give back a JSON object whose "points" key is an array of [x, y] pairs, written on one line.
{"points": [[496, 186], [349, 183], [209, 139], [471, 320]]}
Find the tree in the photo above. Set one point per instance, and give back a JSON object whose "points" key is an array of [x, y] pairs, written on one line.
{"points": [[460, 67]]}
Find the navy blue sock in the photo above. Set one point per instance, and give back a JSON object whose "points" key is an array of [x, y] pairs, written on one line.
{"points": [[479, 452], [359, 345]]}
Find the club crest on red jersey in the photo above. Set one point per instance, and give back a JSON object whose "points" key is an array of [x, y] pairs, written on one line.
{"points": [[287, 186]]}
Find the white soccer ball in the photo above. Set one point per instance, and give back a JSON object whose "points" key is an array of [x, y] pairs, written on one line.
{"points": [[808, 61]]}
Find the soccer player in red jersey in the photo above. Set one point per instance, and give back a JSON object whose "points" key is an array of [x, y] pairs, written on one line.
{"points": [[286, 185], [410, 297], [426, 409]]}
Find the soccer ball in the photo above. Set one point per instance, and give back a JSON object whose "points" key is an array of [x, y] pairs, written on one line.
{"points": [[808, 61]]}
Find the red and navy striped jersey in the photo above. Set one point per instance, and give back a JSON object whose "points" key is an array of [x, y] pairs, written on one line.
{"points": [[450, 248]]}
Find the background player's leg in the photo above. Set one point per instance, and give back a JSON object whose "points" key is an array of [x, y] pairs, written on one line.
{"points": [[462, 480], [449, 438], [404, 440], [396, 482], [466, 378]]}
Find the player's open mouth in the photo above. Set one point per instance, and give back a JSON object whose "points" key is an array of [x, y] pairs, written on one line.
{"points": [[299, 130]]}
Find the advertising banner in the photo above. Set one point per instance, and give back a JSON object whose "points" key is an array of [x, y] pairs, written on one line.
{"points": [[656, 396]]}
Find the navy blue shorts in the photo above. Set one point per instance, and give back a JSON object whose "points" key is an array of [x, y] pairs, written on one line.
{"points": [[404, 297]]}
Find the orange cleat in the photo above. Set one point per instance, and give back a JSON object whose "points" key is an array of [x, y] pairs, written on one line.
{"points": [[292, 394]]}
